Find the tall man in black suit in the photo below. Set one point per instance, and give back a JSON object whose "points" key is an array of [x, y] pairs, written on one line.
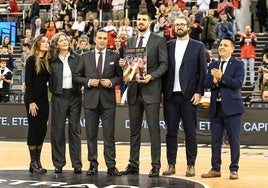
{"points": [[182, 89], [225, 79], [145, 95], [99, 72]]}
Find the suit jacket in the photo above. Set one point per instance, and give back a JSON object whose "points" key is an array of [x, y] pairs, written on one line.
{"points": [[56, 78], [87, 70], [156, 66], [192, 71], [229, 86]]}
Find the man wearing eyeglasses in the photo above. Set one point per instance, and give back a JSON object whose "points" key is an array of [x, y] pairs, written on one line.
{"points": [[182, 89]]}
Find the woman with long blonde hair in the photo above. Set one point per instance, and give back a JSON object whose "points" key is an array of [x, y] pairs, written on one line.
{"points": [[36, 100]]}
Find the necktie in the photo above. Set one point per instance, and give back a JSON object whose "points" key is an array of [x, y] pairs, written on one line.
{"points": [[222, 63], [99, 68], [140, 41]]}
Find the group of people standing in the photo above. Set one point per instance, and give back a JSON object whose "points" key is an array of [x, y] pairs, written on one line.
{"points": [[176, 70]]}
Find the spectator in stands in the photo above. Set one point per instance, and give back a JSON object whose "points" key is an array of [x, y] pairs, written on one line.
{"points": [[125, 26], [46, 4], [13, 17], [261, 14], [152, 6], [5, 54], [38, 28], [224, 28], [89, 23], [51, 30], [82, 6], [36, 100], [162, 11], [56, 7], [209, 24], [79, 24], [118, 11], [91, 32], [4, 9], [93, 8], [133, 9], [248, 42], [226, 7], [181, 4], [5, 80], [74, 38], [68, 6], [175, 12], [185, 13], [57, 23], [68, 29], [223, 5], [106, 7], [224, 78], [112, 33], [66, 104], [83, 45], [123, 38], [159, 26], [66, 20], [198, 15], [7, 42], [118, 47], [263, 69], [195, 28], [24, 55], [28, 38], [203, 6], [34, 12], [169, 32]]}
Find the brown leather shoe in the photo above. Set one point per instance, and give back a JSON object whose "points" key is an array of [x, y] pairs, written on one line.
{"points": [[211, 174], [171, 170], [233, 175], [190, 172]]}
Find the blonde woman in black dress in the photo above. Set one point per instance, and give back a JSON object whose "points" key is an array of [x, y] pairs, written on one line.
{"points": [[36, 100]]}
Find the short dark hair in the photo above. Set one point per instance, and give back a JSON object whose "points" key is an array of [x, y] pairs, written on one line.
{"points": [[230, 39], [26, 45], [146, 13]]}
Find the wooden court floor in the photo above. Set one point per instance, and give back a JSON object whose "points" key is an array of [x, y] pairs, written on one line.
{"points": [[253, 170]]}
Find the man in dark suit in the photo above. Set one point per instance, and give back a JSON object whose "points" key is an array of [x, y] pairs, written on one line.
{"points": [[182, 89], [99, 72], [145, 95], [225, 79]]}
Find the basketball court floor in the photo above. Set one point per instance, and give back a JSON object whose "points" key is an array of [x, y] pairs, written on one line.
{"points": [[14, 164]]}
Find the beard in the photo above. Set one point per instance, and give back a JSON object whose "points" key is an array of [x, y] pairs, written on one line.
{"points": [[181, 34], [142, 28]]}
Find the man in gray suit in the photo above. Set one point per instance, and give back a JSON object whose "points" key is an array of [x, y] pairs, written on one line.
{"points": [[99, 72], [145, 95]]}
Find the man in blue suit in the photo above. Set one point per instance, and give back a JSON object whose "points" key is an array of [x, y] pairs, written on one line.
{"points": [[182, 89], [225, 79]]}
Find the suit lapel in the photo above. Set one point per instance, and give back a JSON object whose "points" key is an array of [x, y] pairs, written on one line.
{"points": [[106, 61], [229, 65], [92, 61], [187, 52]]}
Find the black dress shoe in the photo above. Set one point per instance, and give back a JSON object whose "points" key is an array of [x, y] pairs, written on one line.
{"points": [[92, 170], [130, 170], [77, 170], [113, 172], [58, 170], [154, 172]]}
